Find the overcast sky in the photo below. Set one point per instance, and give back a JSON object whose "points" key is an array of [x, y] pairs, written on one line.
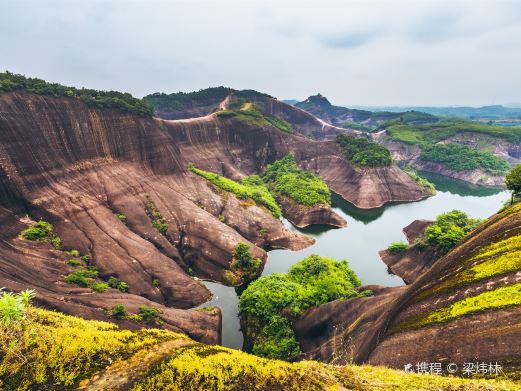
{"points": [[354, 52]]}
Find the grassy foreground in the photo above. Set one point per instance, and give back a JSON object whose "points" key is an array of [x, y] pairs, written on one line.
{"points": [[49, 351]]}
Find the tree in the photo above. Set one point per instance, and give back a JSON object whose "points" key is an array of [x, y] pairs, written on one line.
{"points": [[513, 181]]}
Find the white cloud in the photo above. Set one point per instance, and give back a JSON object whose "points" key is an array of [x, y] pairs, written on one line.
{"points": [[355, 52]]}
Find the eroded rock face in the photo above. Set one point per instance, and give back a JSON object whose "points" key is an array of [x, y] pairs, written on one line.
{"points": [[486, 335], [302, 216], [417, 323], [367, 187], [412, 262], [477, 177], [338, 331], [78, 167]]}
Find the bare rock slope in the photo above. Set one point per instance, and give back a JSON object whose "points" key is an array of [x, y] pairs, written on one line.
{"points": [[465, 308], [79, 168]]}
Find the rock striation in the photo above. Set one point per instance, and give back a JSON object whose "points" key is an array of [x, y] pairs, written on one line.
{"points": [[464, 308], [79, 167]]}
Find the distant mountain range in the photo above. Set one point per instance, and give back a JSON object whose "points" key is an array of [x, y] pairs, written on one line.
{"points": [[493, 112], [367, 120]]}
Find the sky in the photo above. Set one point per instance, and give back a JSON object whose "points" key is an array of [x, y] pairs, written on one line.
{"points": [[377, 53]]}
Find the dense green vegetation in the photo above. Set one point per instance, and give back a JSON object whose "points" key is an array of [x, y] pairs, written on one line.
{"points": [[419, 179], [455, 156], [448, 230], [442, 130], [243, 266], [49, 350], [110, 99], [357, 126], [363, 152], [250, 114], [250, 188], [37, 231], [313, 281], [244, 259], [116, 283], [181, 100], [42, 231], [285, 177], [460, 158]]}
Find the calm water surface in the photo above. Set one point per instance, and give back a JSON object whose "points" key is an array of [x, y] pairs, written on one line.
{"points": [[366, 233]]}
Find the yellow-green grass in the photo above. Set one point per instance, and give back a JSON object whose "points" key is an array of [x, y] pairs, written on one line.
{"points": [[506, 296], [258, 193], [200, 367], [250, 114], [50, 350], [496, 259]]}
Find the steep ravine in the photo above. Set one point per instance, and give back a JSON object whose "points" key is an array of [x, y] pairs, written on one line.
{"points": [[78, 167]]}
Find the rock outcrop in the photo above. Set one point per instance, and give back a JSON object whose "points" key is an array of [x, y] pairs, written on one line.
{"points": [[465, 308], [412, 262], [302, 216]]}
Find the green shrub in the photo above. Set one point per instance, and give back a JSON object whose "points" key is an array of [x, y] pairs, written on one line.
{"points": [[313, 281], [356, 126], [156, 282], [276, 339], [100, 286], [149, 314], [122, 218], [397, 248], [74, 253], [82, 277], [181, 100], [109, 99], [448, 230], [86, 258], [37, 231], [56, 242], [244, 259], [285, 177], [461, 158], [119, 311], [13, 306], [363, 152], [73, 262], [116, 283]]}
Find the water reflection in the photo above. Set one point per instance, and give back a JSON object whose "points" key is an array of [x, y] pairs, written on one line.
{"points": [[367, 232], [455, 186]]}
